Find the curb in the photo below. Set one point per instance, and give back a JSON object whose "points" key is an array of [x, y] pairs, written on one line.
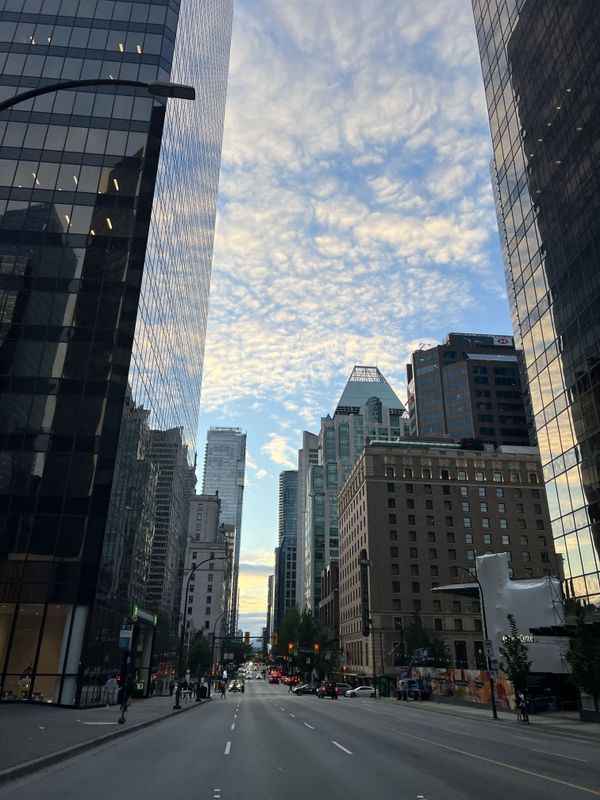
{"points": [[557, 730], [29, 767]]}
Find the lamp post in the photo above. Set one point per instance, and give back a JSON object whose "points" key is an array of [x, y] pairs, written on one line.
{"points": [[155, 88], [177, 705], [212, 652], [485, 633]]}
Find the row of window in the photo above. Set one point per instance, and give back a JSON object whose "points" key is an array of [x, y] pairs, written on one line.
{"points": [[467, 522], [479, 474]]}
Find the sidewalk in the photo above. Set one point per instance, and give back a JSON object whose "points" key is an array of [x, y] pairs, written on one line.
{"points": [[561, 723], [36, 735]]}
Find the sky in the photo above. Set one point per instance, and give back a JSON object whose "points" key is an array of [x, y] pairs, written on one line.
{"points": [[355, 223]]}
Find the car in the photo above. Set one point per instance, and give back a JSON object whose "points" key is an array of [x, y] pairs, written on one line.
{"points": [[328, 689], [249, 676], [360, 691], [259, 677], [306, 688], [343, 688], [274, 679]]}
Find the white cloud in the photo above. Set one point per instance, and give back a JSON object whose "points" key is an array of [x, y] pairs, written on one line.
{"points": [[280, 451]]}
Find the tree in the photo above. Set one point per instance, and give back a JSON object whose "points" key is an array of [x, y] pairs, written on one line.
{"points": [[515, 657], [424, 646], [584, 658], [199, 655]]}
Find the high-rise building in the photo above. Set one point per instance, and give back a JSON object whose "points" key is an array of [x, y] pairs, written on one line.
{"points": [[540, 62], [469, 388], [270, 626], [368, 408], [422, 509], [209, 593], [285, 553], [107, 207], [224, 469], [307, 455]]}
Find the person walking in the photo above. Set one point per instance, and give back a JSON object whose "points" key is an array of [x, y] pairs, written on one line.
{"points": [[111, 687], [223, 690]]}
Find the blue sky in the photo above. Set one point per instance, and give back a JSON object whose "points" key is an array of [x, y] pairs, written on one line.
{"points": [[356, 220]]}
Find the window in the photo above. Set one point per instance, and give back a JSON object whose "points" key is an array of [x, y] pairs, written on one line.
{"points": [[413, 552], [454, 572], [410, 503], [429, 504], [452, 555], [458, 626], [393, 552], [456, 606], [446, 490], [432, 553], [389, 472], [445, 475], [487, 538], [528, 572], [207, 611], [449, 522], [502, 508], [522, 524], [414, 569], [438, 624], [539, 524], [412, 520], [545, 557], [409, 488], [427, 488], [391, 487], [515, 477], [499, 492], [542, 541], [392, 519], [479, 475], [416, 587], [497, 477], [483, 507], [511, 573], [535, 493], [412, 536], [468, 538], [526, 555], [450, 538], [537, 508], [467, 522], [533, 477], [397, 623], [433, 570], [470, 555], [476, 624], [393, 535], [416, 605], [485, 522], [397, 605], [431, 536], [520, 508], [396, 587], [448, 505], [395, 569], [481, 490], [437, 605], [524, 541], [503, 523], [464, 491], [391, 502], [408, 472], [430, 520], [427, 473], [466, 506], [462, 476]]}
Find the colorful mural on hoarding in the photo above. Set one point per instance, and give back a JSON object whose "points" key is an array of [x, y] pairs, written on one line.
{"points": [[470, 685]]}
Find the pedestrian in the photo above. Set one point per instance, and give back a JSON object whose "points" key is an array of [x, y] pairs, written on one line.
{"points": [[223, 690], [111, 687], [522, 711], [171, 688]]}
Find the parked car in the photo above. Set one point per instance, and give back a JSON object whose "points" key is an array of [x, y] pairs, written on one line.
{"points": [[360, 691], [306, 688]]}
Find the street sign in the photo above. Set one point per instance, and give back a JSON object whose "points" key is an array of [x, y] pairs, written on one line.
{"points": [[125, 635], [488, 646]]}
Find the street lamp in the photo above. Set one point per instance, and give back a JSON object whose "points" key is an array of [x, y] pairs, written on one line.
{"points": [[485, 633], [177, 705], [367, 620], [212, 652], [155, 88]]}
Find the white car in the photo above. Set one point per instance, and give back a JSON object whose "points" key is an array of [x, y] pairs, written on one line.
{"points": [[249, 676], [360, 691]]}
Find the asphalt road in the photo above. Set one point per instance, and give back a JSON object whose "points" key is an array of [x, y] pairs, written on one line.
{"points": [[271, 745]]}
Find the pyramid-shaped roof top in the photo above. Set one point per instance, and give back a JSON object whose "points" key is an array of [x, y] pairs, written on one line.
{"points": [[364, 383]]}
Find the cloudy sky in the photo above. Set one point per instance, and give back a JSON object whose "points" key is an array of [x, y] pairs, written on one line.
{"points": [[356, 220]]}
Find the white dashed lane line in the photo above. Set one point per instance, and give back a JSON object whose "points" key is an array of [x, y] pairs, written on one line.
{"points": [[341, 746], [227, 748], [293, 715], [233, 726], [309, 726]]}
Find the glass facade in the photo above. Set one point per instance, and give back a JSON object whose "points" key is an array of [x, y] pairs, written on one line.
{"points": [[224, 471], [541, 69], [107, 206], [286, 553]]}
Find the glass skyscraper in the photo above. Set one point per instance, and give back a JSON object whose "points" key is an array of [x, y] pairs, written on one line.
{"points": [[107, 207], [541, 69], [285, 553], [224, 472]]}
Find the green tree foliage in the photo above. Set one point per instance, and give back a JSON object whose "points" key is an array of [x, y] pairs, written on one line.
{"points": [[199, 656], [515, 657], [423, 645], [303, 631], [584, 658]]}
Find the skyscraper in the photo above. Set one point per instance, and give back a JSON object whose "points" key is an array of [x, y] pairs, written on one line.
{"points": [[540, 61], [100, 297], [285, 553], [307, 455], [469, 387], [368, 408], [224, 468]]}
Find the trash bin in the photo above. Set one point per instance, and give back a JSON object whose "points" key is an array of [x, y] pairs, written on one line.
{"points": [[203, 692]]}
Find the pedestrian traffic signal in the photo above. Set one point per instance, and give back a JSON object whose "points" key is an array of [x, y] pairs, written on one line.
{"points": [[317, 648]]}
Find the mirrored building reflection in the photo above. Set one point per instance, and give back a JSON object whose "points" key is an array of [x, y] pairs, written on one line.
{"points": [[107, 206], [541, 66]]}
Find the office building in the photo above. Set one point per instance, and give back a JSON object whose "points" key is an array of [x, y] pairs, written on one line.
{"points": [[368, 408], [270, 626], [285, 553], [329, 605], [209, 585], [469, 388], [107, 207], [224, 469], [423, 509], [540, 62], [307, 455]]}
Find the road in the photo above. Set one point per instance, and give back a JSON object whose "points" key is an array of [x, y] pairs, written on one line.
{"points": [[268, 744]]}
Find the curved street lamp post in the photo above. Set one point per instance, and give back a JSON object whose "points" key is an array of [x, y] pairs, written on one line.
{"points": [[193, 570]]}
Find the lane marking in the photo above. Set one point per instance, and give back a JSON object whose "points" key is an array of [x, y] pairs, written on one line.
{"points": [[558, 755], [309, 726], [505, 765], [233, 726], [293, 715], [227, 748], [235, 716], [281, 709], [341, 746], [94, 723]]}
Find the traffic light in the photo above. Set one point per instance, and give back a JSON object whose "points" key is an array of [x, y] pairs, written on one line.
{"points": [[290, 647], [317, 648]]}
